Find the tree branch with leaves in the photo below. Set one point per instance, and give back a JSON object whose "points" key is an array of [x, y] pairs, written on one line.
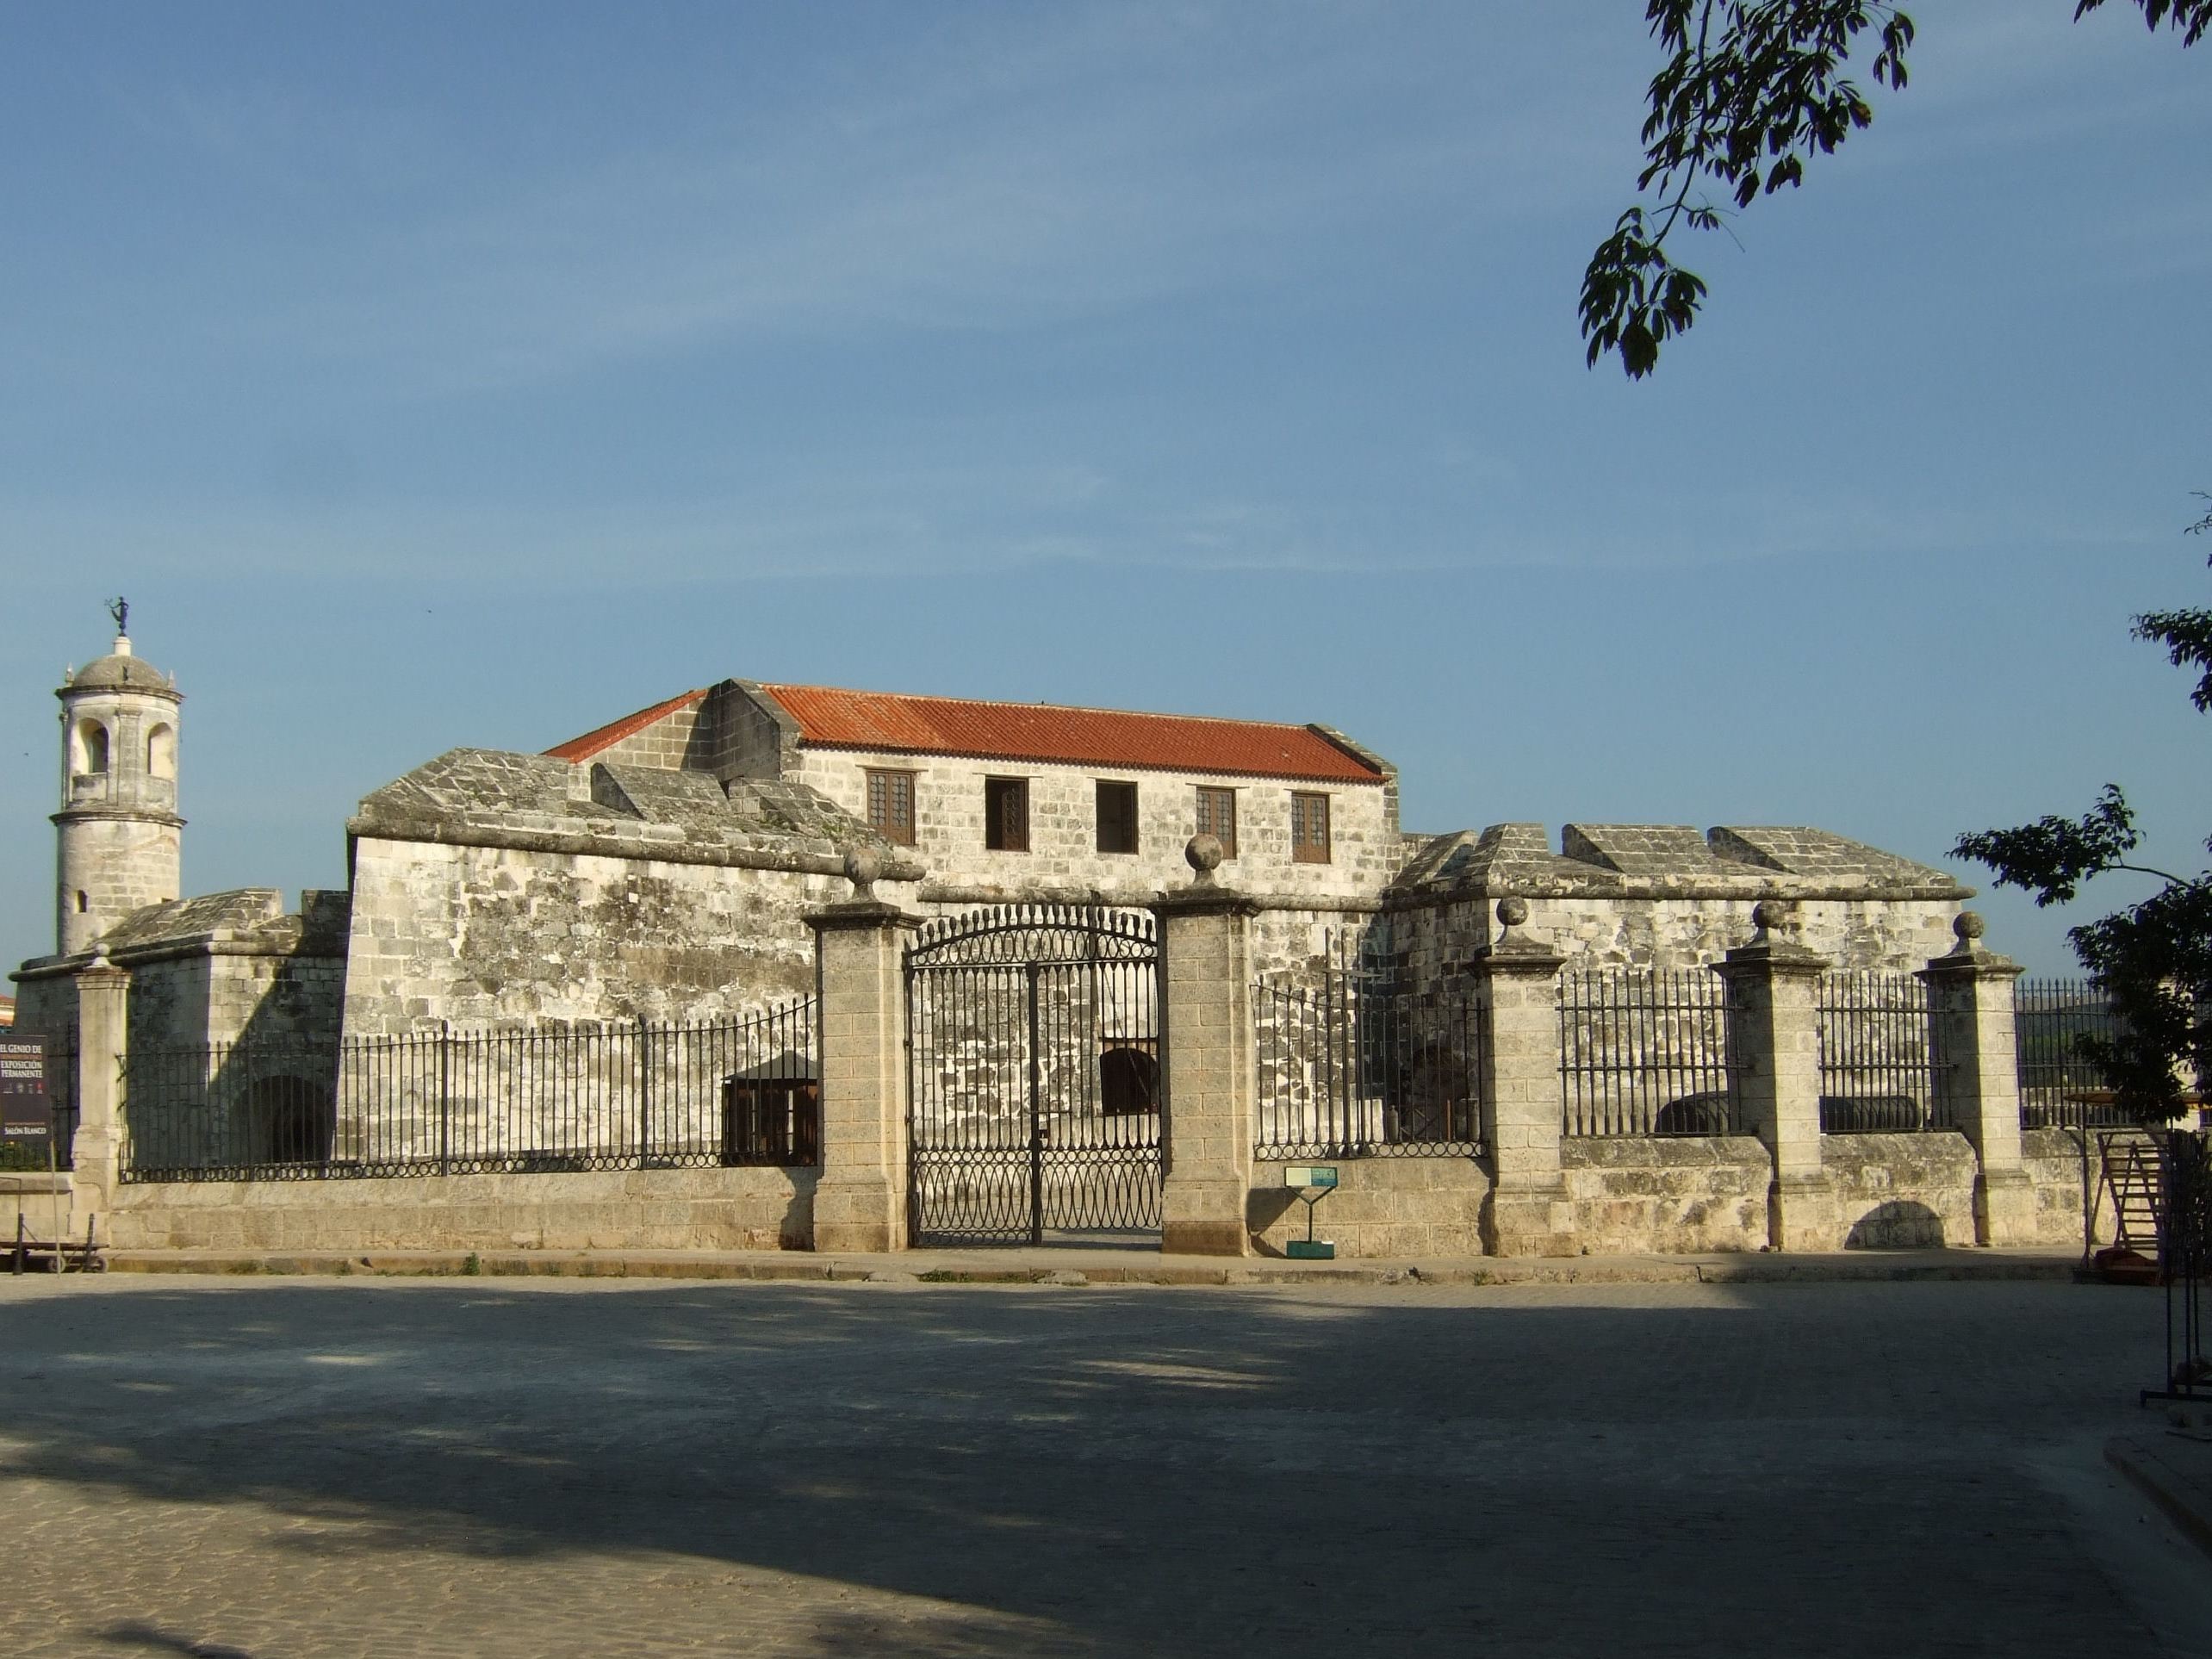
{"points": [[2152, 959], [1751, 90]]}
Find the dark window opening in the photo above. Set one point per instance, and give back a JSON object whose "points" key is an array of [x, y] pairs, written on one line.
{"points": [[1128, 1083], [774, 1120], [1217, 817], [1006, 815], [1117, 817], [295, 1120], [1309, 828], [83, 904], [891, 805]]}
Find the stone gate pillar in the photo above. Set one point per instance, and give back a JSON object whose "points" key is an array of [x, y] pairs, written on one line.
{"points": [[103, 1045], [1528, 1212], [1774, 1034], [860, 1202], [1971, 1034], [1208, 1075]]}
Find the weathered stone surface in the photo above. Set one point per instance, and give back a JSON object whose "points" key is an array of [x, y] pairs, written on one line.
{"points": [[1669, 1193], [649, 1209]]}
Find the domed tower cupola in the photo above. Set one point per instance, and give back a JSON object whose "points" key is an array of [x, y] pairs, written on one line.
{"points": [[121, 843]]}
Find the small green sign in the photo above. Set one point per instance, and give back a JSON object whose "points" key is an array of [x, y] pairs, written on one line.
{"points": [[1310, 1250], [1309, 1174]]}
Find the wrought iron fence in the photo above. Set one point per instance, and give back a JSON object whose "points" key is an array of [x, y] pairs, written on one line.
{"points": [[1646, 1051], [1349, 1067], [2058, 1084], [1878, 1069], [651, 1096]]}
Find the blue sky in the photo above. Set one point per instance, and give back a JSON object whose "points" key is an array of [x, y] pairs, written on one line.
{"points": [[472, 374]]}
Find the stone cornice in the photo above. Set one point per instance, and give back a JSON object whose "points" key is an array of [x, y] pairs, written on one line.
{"points": [[823, 858]]}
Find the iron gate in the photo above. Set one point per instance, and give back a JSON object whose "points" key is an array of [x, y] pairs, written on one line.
{"points": [[1033, 1031]]}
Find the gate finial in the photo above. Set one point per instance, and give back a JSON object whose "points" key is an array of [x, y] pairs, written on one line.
{"points": [[1202, 852], [861, 869]]}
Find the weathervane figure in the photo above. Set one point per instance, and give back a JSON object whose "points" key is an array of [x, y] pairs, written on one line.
{"points": [[121, 610]]}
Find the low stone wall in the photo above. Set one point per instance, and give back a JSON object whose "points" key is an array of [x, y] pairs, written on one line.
{"points": [[40, 1201], [1901, 1191], [2053, 1158], [1403, 1207], [1668, 1193], [633, 1210]]}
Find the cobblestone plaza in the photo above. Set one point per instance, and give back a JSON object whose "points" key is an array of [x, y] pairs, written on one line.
{"points": [[496, 1467]]}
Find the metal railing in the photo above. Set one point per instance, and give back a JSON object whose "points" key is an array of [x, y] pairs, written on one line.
{"points": [[1877, 1069], [2049, 1018], [1645, 1050], [649, 1095], [1350, 1068]]}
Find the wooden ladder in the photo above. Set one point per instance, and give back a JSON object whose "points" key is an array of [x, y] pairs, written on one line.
{"points": [[2133, 1174]]}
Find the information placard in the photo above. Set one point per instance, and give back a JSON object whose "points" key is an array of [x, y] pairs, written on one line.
{"points": [[26, 1096]]}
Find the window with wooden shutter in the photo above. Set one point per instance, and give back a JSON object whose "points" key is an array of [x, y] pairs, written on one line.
{"points": [[1117, 817], [891, 805], [1006, 814], [1217, 817], [1309, 828]]}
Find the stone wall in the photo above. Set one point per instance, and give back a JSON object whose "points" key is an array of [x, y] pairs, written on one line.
{"points": [[1064, 860], [667, 743], [1899, 934], [1671, 1193], [634, 1210], [1901, 1191], [2054, 1161], [39, 1200], [1416, 1207], [503, 936], [110, 866]]}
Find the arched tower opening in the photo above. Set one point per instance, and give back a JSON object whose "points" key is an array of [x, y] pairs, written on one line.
{"points": [[88, 748], [161, 752]]}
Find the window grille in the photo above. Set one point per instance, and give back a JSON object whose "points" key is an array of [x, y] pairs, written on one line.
{"points": [[1309, 828], [1217, 817], [891, 805], [1006, 815]]}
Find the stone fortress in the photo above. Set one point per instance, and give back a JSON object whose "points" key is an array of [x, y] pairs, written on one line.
{"points": [[707, 857], [661, 865]]}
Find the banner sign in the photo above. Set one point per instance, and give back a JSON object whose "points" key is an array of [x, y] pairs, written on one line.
{"points": [[26, 1102]]}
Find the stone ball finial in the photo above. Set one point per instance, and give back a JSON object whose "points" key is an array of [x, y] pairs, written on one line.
{"points": [[1511, 912], [100, 954], [1202, 852], [1968, 927], [1769, 914], [862, 867]]}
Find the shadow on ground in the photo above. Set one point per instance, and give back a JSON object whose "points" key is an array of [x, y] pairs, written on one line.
{"points": [[1139, 1469]]}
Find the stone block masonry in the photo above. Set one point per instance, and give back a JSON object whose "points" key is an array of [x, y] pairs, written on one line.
{"points": [[633, 1210]]}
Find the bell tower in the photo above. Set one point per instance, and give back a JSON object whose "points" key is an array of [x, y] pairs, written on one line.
{"points": [[121, 843]]}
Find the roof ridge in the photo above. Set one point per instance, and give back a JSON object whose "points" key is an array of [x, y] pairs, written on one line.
{"points": [[773, 686]]}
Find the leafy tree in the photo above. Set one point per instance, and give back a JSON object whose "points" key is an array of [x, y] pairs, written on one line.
{"points": [[2152, 960], [1751, 90]]}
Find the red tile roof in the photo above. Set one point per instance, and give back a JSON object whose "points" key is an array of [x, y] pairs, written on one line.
{"points": [[1039, 731], [606, 737]]}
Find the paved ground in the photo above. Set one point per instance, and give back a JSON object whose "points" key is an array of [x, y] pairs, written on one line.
{"points": [[575, 1467]]}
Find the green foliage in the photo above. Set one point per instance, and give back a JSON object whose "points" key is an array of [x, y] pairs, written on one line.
{"points": [[2152, 960], [1751, 89]]}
